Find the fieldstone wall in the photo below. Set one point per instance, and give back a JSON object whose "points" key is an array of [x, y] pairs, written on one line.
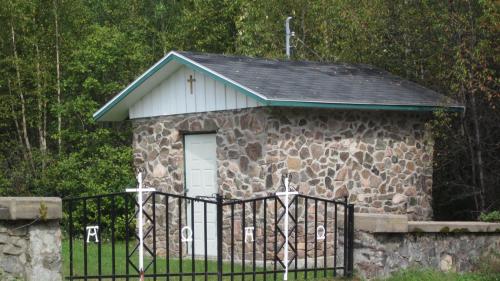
{"points": [[381, 160], [30, 239], [379, 254]]}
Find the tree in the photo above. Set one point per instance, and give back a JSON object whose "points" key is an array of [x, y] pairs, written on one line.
{"points": [[61, 60]]}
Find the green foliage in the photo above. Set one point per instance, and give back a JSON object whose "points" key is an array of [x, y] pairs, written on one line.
{"points": [[207, 26], [89, 172], [490, 217], [449, 46], [86, 213], [43, 211]]}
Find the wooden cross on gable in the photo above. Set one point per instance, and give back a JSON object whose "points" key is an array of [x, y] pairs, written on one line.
{"points": [[191, 80]]}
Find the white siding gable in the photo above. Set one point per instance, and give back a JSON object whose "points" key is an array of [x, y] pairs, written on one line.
{"points": [[173, 96]]}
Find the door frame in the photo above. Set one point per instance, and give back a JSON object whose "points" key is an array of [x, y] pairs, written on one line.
{"points": [[184, 134], [189, 133]]}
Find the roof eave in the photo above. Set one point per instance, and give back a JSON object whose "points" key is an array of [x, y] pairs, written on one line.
{"points": [[131, 87], [362, 106], [98, 115]]}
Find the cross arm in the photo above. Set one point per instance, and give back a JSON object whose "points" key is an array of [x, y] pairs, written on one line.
{"points": [[286, 193], [140, 189]]}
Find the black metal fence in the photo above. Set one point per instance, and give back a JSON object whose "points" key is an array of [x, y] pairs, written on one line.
{"points": [[208, 238]]}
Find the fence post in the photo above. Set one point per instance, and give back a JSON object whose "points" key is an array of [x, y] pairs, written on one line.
{"points": [[346, 235], [351, 241], [70, 205], [219, 236]]}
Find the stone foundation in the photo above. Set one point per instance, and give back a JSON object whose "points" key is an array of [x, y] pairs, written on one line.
{"points": [[30, 239]]}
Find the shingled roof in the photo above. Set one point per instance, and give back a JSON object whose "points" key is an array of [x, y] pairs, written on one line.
{"points": [[303, 83], [306, 81]]}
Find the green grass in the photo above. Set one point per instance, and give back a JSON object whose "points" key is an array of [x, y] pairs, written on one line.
{"points": [[489, 271], [174, 264], [433, 275]]}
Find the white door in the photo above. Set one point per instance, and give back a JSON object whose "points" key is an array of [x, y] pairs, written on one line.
{"points": [[201, 171]]}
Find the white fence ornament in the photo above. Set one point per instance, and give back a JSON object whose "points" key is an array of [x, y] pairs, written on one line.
{"points": [[186, 234], [249, 233], [140, 220], [320, 233], [286, 194], [92, 231]]}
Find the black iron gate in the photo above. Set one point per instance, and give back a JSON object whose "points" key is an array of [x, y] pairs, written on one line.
{"points": [[208, 238]]}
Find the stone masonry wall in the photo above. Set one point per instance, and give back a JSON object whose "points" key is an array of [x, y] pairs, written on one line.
{"points": [[30, 238], [381, 160], [30, 252], [379, 254]]}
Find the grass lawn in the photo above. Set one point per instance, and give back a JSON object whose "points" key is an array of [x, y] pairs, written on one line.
{"points": [[174, 265], [433, 275], [488, 274]]}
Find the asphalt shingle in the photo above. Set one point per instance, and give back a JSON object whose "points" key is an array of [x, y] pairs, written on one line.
{"points": [[305, 81]]}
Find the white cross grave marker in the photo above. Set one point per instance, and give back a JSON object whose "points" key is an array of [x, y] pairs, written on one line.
{"points": [[287, 193], [140, 223]]}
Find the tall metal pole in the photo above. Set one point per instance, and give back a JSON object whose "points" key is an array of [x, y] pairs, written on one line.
{"points": [[288, 35]]}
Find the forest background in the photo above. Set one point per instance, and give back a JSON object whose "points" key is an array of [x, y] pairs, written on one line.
{"points": [[60, 60]]}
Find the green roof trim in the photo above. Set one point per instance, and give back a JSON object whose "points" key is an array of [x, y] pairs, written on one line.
{"points": [[173, 56], [363, 106], [132, 87]]}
